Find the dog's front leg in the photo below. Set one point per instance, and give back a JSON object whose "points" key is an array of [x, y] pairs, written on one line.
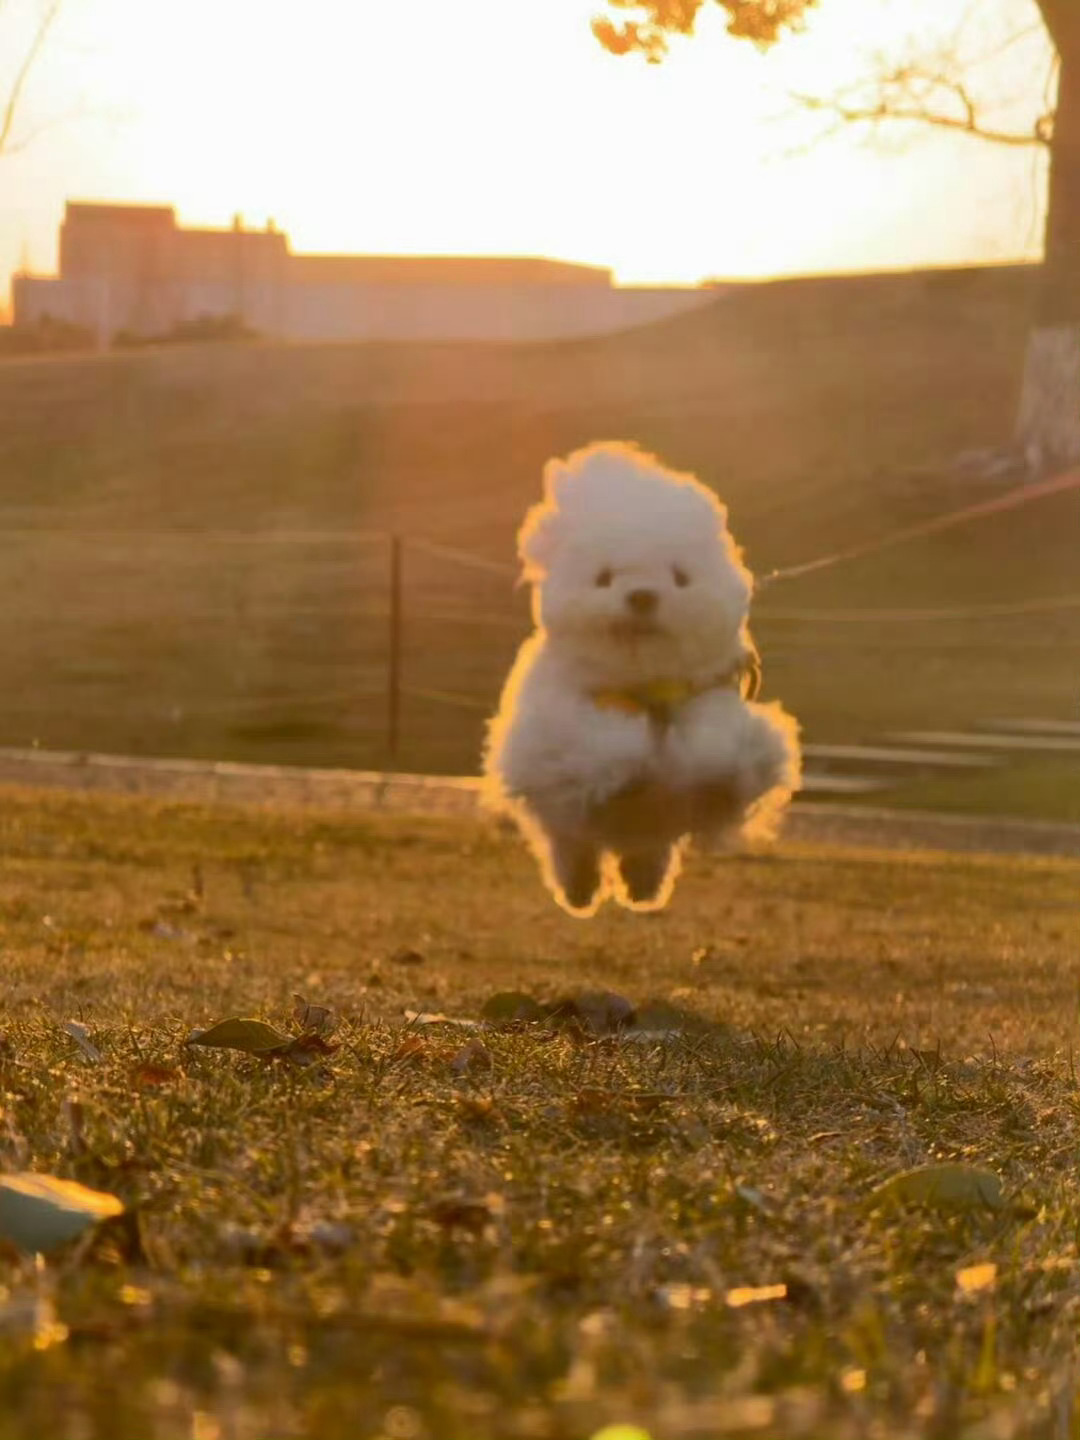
{"points": [[728, 754], [575, 870]]}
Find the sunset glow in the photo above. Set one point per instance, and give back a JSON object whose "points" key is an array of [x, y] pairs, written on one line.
{"points": [[501, 127]]}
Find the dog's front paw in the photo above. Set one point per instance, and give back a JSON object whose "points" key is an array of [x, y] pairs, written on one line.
{"points": [[644, 874], [575, 868]]}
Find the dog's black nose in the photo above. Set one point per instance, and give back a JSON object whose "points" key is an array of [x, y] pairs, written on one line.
{"points": [[642, 602]]}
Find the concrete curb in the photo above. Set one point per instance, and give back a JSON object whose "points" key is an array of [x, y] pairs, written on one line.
{"points": [[225, 782]]}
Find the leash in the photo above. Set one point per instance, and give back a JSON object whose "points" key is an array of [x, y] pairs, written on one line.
{"points": [[1011, 500]]}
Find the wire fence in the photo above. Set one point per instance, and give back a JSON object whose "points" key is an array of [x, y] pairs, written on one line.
{"points": [[410, 586]]}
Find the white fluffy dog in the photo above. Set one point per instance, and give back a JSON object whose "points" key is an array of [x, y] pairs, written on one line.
{"points": [[627, 723]]}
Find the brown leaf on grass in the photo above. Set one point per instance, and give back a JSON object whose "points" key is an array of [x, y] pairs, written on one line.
{"points": [[408, 1048], [977, 1279], [590, 1101], [461, 1212], [253, 1037], [476, 1109], [601, 1011], [150, 1077], [405, 956], [473, 1056], [304, 1049], [745, 1295], [511, 1007], [432, 1017], [412, 1050], [81, 1035], [941, 1187], [314, 1019]]}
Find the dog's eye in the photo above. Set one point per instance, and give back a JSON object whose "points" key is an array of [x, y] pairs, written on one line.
{"points": [[681, 577], [603, 578]]}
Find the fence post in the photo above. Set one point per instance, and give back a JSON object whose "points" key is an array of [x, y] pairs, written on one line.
{"points": [[393, 664]]}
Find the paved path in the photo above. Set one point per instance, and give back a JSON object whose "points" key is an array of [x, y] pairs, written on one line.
{"points": [[204, 781]]}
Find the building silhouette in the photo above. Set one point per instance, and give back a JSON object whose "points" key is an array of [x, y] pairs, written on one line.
{"points": [[131, 269]]}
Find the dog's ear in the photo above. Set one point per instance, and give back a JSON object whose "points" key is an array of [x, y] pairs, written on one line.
{"points": [[538, 540], [541, 530]]}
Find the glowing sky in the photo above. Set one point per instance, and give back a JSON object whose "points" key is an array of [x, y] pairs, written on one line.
{"points": [[499, 126]]}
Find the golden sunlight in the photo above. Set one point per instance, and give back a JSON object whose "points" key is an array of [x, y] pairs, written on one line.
{"points": [[505, 129]]}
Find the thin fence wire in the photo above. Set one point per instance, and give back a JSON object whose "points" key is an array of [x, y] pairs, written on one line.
{"points": [[187, 535], [396, 617], [1013, 499]]}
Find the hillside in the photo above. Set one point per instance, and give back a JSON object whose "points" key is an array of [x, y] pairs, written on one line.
{"points": [[817, 408], [782, 395]]}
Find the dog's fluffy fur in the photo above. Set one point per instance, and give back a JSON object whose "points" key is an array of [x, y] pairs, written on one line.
{"points": [[624, 725]]}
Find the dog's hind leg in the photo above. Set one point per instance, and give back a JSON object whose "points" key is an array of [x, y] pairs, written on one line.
{"points": [[575, 869], [645, 875]]}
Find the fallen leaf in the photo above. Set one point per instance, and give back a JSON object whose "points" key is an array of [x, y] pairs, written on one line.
{"points": [[415, 1050], [754, 1295], [148, 1077], [410, 1047], [253, 1037], [591, 1101], [405, 956], [943, 1187], [510, 1007], [81, 1035], [430, 1017], [304, 1049], [458, 1212], [318, 1019], [40, 1212], [476, 1108], [473, 1056], [681, 1296], [973, 1279], [601, 1011]]}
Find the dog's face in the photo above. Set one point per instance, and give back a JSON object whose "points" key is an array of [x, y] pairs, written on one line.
{"points": [[633, 566]]}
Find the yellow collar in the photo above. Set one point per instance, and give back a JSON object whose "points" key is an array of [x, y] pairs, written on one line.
{"points": [[657, 697], [660, 698]]}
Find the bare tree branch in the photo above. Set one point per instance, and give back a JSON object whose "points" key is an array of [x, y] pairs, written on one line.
{"points": [[1041, 134], [10, 107], [936, 95], [29, 137]]}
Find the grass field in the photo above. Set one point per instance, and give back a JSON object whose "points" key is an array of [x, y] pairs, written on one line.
{"points": [[809, 405], [542, 1227]]}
